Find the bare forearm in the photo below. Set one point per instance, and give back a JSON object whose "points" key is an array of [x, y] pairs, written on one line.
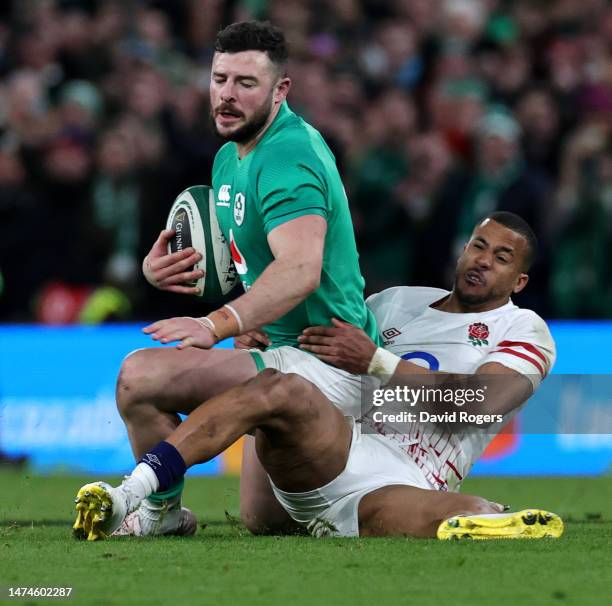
{"points": [[408, 373], [349, 348], [282, 286], [489, 392]]}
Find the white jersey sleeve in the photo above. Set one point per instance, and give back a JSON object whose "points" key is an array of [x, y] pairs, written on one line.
{"points": [[526, 347]]}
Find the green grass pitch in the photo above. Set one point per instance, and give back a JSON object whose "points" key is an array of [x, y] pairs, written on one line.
{"points": [[223, 564]]}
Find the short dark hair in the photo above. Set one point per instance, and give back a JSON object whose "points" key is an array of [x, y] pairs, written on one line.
{"points": [[254, 35], [520, 226]]}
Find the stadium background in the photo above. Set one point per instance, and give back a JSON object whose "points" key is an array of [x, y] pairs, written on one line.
{"points": [[438, 112]]}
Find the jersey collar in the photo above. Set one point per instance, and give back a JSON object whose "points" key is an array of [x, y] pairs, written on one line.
{"points": [[498, 310], [283, 113]]}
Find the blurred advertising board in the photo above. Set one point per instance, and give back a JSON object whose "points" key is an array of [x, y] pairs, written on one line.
{"points": [[57, 404]]}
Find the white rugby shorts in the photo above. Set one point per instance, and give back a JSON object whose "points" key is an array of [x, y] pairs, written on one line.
{"points": [[340, 387], [332, 510]]}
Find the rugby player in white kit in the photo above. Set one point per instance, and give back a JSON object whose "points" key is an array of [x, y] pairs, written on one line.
{"points": [[423, 326], [334, 478]]}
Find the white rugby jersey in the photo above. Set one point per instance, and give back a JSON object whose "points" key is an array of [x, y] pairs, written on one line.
{"points": [[459, 343]]}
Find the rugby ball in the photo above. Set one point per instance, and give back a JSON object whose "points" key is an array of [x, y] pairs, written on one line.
{"points": [[194, 219]]}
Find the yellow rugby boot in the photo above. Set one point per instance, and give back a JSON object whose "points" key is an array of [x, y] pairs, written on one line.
{"points": [[100, 511]]}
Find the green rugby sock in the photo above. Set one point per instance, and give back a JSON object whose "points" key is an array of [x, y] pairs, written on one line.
{"points": [[166, 495]]}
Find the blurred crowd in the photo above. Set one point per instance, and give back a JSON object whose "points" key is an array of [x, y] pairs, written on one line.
{"points": [[438, 112]]}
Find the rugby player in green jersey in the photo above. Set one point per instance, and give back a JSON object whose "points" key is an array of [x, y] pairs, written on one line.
{"points": [[282, 206]]}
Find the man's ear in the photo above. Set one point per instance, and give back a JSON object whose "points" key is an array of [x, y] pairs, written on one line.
{"points": [[521, 282], [281, 90]]}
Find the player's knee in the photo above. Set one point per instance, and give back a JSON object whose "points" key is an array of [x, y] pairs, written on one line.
{"points": [[133, 380], [289, 392], [272, 390], [292, 387]]}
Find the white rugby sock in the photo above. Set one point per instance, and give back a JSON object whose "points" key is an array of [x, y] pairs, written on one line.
{"points": [[138, 485]]}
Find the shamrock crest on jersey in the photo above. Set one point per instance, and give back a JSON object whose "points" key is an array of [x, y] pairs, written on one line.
{"points": [[239, 204]]}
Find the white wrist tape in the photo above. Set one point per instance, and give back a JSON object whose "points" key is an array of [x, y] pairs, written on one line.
{"points": [[206, 323], [237, 316], [383, 364]]}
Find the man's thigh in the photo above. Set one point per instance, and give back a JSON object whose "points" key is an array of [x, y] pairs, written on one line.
{"points": [[305, 440], [180, 380], [341, 388]]}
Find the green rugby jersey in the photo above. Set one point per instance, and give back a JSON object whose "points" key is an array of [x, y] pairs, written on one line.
{"points": [[291, 173]]}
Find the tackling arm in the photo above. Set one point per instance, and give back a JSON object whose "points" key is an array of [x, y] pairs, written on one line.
{"points": [[350, 349]]}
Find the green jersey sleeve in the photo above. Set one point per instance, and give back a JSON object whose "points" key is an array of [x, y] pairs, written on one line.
{"points": [[288, 188]]}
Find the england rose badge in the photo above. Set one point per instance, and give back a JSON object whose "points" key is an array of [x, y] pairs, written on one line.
{"points": [[478, 333]]}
